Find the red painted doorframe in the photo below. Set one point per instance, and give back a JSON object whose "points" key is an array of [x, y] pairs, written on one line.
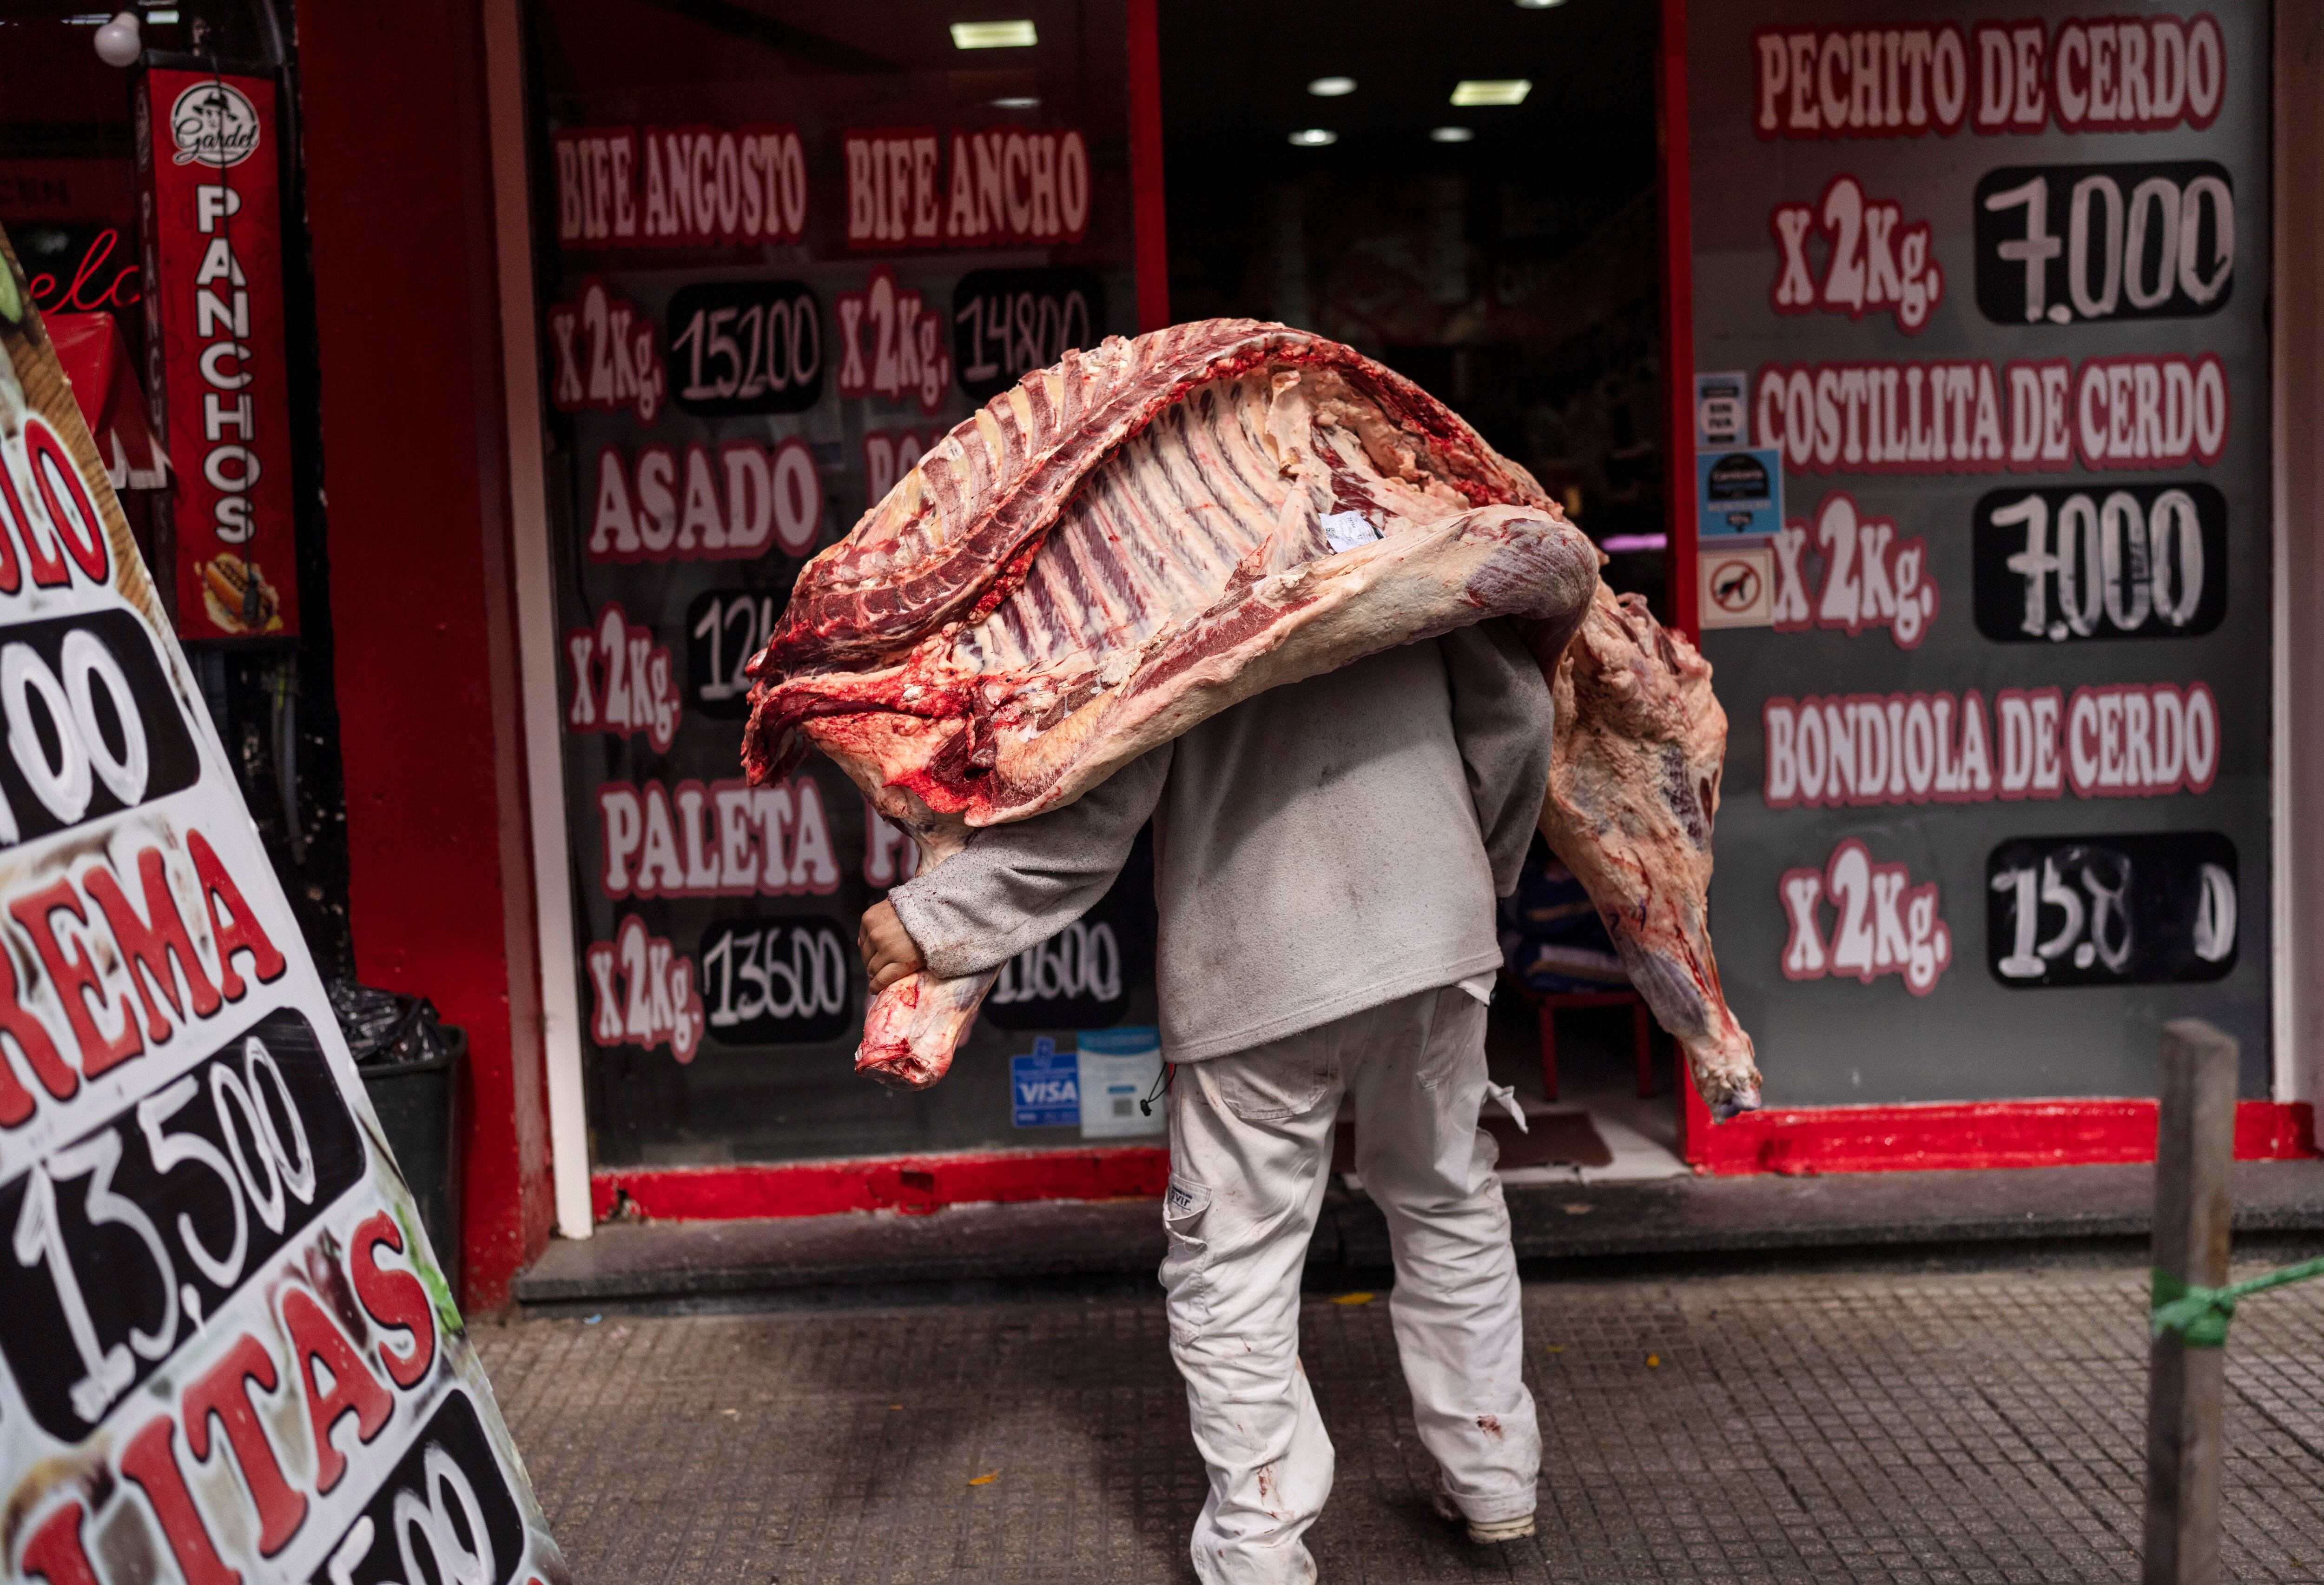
{"points": [[400, 208], [1678, 317]]}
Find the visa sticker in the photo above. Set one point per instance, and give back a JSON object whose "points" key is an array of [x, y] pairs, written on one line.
{"points": [[1044, 1088]]}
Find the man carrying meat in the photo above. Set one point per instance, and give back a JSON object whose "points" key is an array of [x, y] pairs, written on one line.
{"points": [[1327, 856]]}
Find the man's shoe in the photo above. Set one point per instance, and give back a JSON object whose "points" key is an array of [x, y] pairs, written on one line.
{"points": [[1492, 1532], [1481, 1531]]}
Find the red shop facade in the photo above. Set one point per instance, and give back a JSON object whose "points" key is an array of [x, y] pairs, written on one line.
{"points": [[1953, 378]]}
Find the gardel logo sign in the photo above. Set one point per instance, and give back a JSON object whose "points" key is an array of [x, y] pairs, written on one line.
{"points": [[214, 339], [213, 123]]}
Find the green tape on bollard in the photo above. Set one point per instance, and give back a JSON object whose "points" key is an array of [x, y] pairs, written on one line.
{"points": [[2199, 1316]]}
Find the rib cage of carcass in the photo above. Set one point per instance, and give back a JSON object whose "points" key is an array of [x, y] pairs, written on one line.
{"points": [[1130, 542]]}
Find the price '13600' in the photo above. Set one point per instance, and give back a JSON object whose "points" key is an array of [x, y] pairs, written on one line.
{"points": [[776, 980]]}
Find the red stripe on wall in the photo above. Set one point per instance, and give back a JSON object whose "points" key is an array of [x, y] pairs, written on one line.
{"points": [[2274, 1131], [2080, 1131], [1827, 1139], [908, 1184]]}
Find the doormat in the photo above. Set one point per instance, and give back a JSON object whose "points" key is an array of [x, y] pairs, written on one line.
{"points": [[1562, 1138]]}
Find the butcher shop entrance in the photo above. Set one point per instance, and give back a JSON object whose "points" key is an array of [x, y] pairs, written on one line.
{"points": [[782, 250], [1463, 205], [1921, 367]]}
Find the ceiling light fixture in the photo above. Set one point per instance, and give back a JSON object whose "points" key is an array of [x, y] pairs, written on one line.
{"points": [[992, 35], [1313, 137], [1331, 88], [1473, 91], [1016, 102], [1451, 134], [1538, 5]]}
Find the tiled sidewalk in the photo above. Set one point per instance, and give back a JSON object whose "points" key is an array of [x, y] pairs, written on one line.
{"points": [[1937, 1427]]}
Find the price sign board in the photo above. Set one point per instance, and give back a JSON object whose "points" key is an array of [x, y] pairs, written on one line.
{"points": [[752, 333], [1993, 279], [226, 1351]]}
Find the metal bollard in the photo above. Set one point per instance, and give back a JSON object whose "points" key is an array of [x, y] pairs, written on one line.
{"points": [[2186, 1387]]}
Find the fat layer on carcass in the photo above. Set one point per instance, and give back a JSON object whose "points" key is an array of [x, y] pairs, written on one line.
{"points": [[1113, 550]]}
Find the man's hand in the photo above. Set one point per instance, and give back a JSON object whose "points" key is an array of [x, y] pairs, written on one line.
{"points": [[886, 947]]}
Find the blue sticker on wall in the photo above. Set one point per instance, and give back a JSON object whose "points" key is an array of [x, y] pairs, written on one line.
{"points": [[1045, 1088], [1740, 491]]}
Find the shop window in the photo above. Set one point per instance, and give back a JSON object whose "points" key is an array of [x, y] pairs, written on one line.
{"points": [[782, 250]]}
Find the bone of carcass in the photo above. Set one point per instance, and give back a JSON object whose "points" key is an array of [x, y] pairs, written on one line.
{"points": [[1120, 547], [1633, 790]]}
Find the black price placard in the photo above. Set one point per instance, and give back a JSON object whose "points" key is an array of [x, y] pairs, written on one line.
{"points": [[2067, 564], [2062, 244], [2150, 909], [1082, 978], [776, 981], [91, 725], [127, 1239], [1007, 323], [740, 347], [724, 627], [444, 1513]]}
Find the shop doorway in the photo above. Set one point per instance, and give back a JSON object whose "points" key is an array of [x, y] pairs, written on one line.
{"points": [[1475, 206]]}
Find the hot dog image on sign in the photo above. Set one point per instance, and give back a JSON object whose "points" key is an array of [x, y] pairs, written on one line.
{"points": [[226, 1351]]}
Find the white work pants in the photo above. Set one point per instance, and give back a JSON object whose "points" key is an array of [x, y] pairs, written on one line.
{"points": [[1250, 1154]]}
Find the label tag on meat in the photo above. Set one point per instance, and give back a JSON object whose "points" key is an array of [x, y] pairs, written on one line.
{"points": [[226, 1351], [1344, 531]]}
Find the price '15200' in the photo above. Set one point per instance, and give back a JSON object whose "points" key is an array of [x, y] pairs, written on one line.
{"points": [[745, 346]]}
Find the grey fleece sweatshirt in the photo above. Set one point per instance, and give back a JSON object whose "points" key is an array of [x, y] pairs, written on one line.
{"points": [[1320, 849]]}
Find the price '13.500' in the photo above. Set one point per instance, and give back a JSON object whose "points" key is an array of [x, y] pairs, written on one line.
{"points": [[207, 1177]]}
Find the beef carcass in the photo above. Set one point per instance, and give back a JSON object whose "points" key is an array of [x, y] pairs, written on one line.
{"points": [[1113, 550], [1633, 792]]}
